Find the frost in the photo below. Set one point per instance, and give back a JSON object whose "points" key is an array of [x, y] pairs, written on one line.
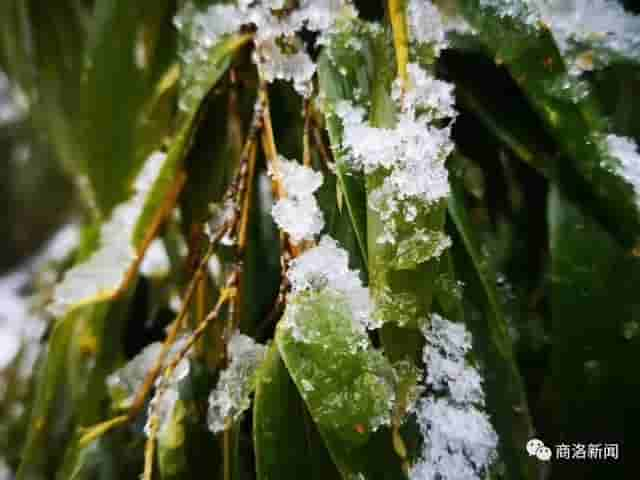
{"points": [[125, 382], [298, 180], [525, 11], [230, 398], [412, 155], [419, 248], [444, 356], [460, 442], [21, 325], [413, 151], [327, 266], [591, 33], [106, 269], [298, 214], [625, 151], [297, 67], [432, 98], [279, 53], [11, 109], [426, 25], [156, 260], [344, 380]]}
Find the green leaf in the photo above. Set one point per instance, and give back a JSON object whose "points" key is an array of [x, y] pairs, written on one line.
{"points": [[484, 315], [42, 47], [124, 241], [346, 384], [596, 314], [117, 80], [287, 444], [566, 103], [344, 73], [50, 422], [172, 454]]}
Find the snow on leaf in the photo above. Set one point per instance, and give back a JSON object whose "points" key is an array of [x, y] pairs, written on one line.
{"points": [[426, 25], [525, 11], [625, 152], [298, 214], [100, 276], [301, 218], [230, 398], [592, 33], [432, 98], [344, 381], [422, 246], [21, 324], [460, 442], [275, 64], [125, 382], [156, 260], [326, 267], [275, 26], [11, 110]]}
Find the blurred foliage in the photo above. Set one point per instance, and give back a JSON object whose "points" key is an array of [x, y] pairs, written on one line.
{"points": [[542, 269]]}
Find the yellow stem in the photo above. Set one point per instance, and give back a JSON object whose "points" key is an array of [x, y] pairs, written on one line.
{"points": [[306, 149], [398, 16], [152, 231]]}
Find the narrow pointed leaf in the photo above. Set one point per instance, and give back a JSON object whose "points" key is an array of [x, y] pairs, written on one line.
{"points": [[346, 384], [594, 306], [506, 397], [286, 446], [515, 35]]}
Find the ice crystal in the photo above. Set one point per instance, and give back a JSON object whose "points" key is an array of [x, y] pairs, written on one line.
{"points": [[156, 260], [460, 440], [444, 356], [125, 382], [461, 443], [412, 155], [625, 151], [297, 180], [343, 379], [105, 270], [432, 98], [525, 11], [275, 64], [298, 214], [275, 27], [327, 266], [230, 398], [414, 152], [426, 25], [591, 33]]}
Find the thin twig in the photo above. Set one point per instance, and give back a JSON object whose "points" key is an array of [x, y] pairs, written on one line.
{"points": [[306, 149], [154, 421]]}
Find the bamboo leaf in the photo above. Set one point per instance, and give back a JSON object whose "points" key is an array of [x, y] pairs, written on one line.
{"points": [[48, 428], [595, 317], [117, 81], [287, 446], [133, 224], [344, 74], [505, 391], [515, 36], [346, 384]]}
